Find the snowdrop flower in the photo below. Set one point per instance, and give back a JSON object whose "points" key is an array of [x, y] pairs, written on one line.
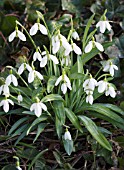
{"points": [[18, 34], [103, 25], [37, 56], [65, 85], [92, 44], [46, 57], [110, 91], [89, 99], [76, 49], [5, 90], [75, 36], [5, 104], [109, 66], [102, 85], [11, 79], [67, 135], [66, 60], [55, 44], [20, 98], [22, 67], [36, 27], [37, 108], [89, 84], [32, 74]]}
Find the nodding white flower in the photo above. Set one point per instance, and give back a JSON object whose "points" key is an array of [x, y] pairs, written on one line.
{"points": [[76, 49], [5, 104], [11, 79], [66, 60], [22, 67], [89, 99], [67, 135], [18, 34], [36, 27], [110, 91], [37, 108], [32, 74], [37, 56], [75, 36], [20, 98], [103, 25], [102, 85], [65, 85], [46, 57], [109, 66], [89, 84], [91, 45], [5, 90]]}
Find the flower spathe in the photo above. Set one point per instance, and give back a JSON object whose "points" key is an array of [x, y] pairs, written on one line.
{"points": [[91, 45], [36, 27], [18, 34], [5, 104], [103, 25], [75, 35], [37, 108], [67, 135], [11, 79]]}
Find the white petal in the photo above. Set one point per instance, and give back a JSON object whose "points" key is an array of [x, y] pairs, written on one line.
{"points": [[8, 80], [43, 29], [89, 99], [112, 92], [14, 80], [31, 76], [67, 79], [76, 49], [38, 110], [54, 59], [108, 26], [86, 82], [101, 87], [99, 46], [111, 70], [75, 35], [69, 86], [20, 98], [32, 107], [55, 47], [36, 56], [102, 26], [43, 106], [39, 75], [21, 36], [115, 67], [89, 47], [43, 61], [43, 53], [21, 69], [10, 101], [67, 136], [12, 36], [106, 68], [34, 29], [6, 90], [58, 80], [29, 68], [6, 106], [64, 88]]}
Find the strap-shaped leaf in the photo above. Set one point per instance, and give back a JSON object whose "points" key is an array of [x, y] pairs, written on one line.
{"points": [[73, 118], [52, 97], [95, 132], [51, 83]]}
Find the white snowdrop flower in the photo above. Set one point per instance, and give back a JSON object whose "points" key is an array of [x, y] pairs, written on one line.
{"points": [[76, 49], [55, 44], [11, 79], [89, 99], [89, 84], [32, 75], [36, 27], [110, 91], [102, 85], [22, 67], [65, 85], [5, 90], [75, 36], [20, 98], [91, 45], [66, 60], [109, 66], [67, 135], [37, 56], [5, 104], [18, 34], [37, 108], [43, 61], [103, 25]]}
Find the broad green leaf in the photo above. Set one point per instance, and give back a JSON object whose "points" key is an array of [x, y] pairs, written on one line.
{"points": [[36, 121], [51, 83], [36, 158], [40, 129], [52, 97], [19, 122], [9, 167], [59, 127], [68, 145], [77, 76], [19, 130], [103, 110], [73, 118], [28, 113], [95, 132], [59, 158]]}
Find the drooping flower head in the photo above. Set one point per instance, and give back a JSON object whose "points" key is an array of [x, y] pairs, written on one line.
{"points": [[5, 103], [67, 135], [11, 79]]}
